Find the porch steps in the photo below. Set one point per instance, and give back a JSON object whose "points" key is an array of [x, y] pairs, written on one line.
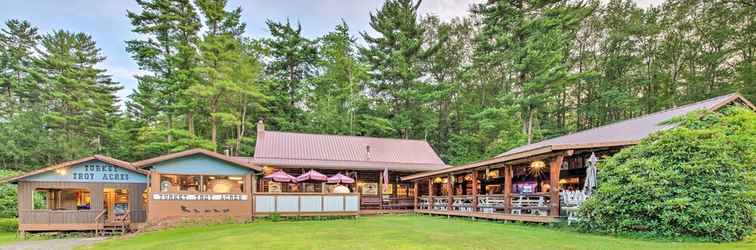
{"points": [[112, 230]]}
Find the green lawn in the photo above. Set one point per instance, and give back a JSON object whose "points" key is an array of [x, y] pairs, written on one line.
{"points": [[390, 232], [6, 237]]}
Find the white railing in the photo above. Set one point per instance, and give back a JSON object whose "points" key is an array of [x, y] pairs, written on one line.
{"points": [[306, 204]]}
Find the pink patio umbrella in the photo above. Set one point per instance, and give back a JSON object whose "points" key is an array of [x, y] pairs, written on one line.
{"points": [[340, 178], [281, 176], [312, 175]]}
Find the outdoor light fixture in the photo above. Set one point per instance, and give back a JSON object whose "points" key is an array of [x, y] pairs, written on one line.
{"points": [[493, 174], [537, 167], [61, 171], [438, 180]]}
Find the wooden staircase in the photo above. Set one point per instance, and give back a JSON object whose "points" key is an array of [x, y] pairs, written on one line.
{"points": [[120, 225]]}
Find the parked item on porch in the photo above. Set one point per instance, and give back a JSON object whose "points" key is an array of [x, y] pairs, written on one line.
{"points": [[340, 178], [281, 176], [590, 175], [312, 175]]}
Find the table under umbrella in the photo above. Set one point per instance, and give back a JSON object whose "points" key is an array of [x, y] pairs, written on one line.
{"points": [[281, 176], [340, 178], [312, 175]]}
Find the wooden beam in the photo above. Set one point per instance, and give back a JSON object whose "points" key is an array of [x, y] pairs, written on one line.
{"points": [[508, 189], [475, 190], [449, 192], [430, 193], [556, 165], [415, 192], [380, 189]]}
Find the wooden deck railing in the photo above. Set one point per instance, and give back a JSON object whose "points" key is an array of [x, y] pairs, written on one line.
{"points": [[58, 216], [516, 204]]}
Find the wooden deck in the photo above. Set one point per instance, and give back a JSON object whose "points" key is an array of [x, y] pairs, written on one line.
{"points": [[492, 216]]}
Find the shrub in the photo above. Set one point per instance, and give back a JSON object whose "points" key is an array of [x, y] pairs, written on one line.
{"points": [[697, 180]]}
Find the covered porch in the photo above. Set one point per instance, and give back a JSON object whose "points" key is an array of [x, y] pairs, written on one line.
{"points": [[540, 188]]}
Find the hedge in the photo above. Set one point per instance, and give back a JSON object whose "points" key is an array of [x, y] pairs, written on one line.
{"points": [[696, 180]]}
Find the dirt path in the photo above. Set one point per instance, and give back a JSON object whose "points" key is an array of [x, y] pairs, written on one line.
{"points": [[59, 244]]}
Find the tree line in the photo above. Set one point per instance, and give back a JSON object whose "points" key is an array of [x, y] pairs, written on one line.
{"points": [[507, 74]]}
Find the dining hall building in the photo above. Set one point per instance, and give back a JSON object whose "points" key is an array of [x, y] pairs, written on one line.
{"points": [[299, 174], [102, 193]]}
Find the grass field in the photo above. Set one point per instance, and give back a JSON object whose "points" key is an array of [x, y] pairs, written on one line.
{"points": [[390, 232], [6, 237]]}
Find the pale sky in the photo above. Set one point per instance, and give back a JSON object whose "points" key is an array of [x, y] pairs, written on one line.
{"points": [[106, 22]]}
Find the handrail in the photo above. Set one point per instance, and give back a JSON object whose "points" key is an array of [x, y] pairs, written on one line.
{"points": [[97, 221]]}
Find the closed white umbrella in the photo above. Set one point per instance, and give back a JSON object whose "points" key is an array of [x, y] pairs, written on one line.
{"points": [[590, 175]]}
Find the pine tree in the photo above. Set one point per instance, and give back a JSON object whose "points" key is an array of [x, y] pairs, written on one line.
{"points": [[292, 66], [168, 52], [17, 41], [395, 57]]}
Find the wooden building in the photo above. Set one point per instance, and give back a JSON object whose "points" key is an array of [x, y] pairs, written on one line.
{"points": [[86, 194], [539, 182], [366, 159], [102, 193]]}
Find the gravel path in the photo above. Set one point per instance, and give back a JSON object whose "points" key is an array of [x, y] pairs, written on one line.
{"points": [[59, 244]]}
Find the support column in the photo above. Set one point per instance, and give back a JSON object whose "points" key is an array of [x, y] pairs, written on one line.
{"points": [[449, 192], [415, 192], [380, 189], [474, 190], [508, 189], [430, 193], [556, 165]]}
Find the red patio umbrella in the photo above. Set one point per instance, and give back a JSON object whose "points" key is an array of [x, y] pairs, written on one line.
{"points": [[340, 178], [312, 175], [281, 176]]}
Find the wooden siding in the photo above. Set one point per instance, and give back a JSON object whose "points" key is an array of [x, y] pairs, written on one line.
{"points": [[40, 217]]}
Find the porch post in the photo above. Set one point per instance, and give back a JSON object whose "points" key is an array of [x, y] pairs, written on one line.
{"points": [[449, 192], [556, 165], [430, 193], [415, 192], [508, 189], [380, 189], [474, 190]]}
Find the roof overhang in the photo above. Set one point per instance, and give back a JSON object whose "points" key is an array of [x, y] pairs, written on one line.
{"points": [[345, 165], [197, 151], [102, 158], [548, 150]]}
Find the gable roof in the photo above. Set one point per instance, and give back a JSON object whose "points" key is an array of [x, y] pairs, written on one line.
{"points": [[627, 132], [102, 158], [196, 151], [287, 149], [621, 133]]}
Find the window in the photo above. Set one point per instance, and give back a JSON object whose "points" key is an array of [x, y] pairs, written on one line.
{"points": [[223, 184], [62, 199], [202, 183]]}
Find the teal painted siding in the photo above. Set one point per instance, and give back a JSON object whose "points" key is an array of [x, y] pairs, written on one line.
{"points": [[200, 165], [91, 171]]}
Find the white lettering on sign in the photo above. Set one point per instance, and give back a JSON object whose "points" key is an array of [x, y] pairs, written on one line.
{"points": [[105, 173], [200, 197]]}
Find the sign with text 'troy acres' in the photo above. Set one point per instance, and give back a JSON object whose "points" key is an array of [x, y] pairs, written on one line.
{"points": [[91, 171]]}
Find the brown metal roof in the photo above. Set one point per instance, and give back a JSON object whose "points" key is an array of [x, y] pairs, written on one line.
{"points": [[286, 149], [233, 160], [102, 158], [622, 133]]}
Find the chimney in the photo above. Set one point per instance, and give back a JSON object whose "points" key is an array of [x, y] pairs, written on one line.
{"points": [[260, 127], [367, 148]]}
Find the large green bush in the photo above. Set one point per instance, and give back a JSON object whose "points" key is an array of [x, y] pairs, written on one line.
{"points": [[696, 180]]}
